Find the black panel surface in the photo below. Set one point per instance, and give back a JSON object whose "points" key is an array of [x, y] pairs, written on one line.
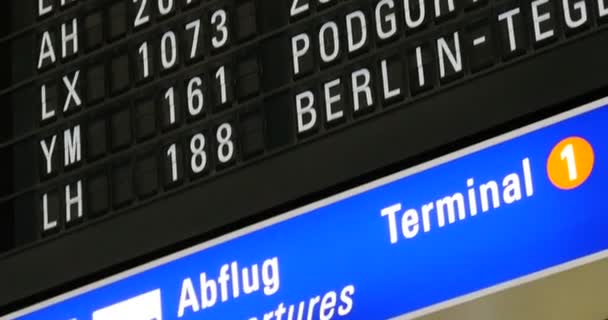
{"points": [[159, 129]]}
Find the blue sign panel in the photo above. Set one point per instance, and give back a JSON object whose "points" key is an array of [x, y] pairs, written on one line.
{"points": [[523, 205]]}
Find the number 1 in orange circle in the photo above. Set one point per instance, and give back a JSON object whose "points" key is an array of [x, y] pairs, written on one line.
{"points": [[570, 163]]}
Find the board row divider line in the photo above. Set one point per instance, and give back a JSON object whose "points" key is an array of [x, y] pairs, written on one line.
{"points": [[69, 10], [153, 28], [150, 84], [171, 135]]}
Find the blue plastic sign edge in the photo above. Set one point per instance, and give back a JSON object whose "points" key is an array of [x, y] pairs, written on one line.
{"points": [[352, 192]]}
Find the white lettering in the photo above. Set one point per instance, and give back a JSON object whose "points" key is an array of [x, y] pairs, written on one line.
{"points": [[579, 6], [223, 282], [73, 200], [48, 153], [472, 197], [297, 9], [438, 7], [168, 50], [165, 8], [46, 50], [66, 38], [538, 18], [510, 29], [270, 276], [420, 66], [72, 94], [305, 109], [208, 291], [72, 146], [46, 224], [354, 45], [458, 206], [444, 50], [390, 213], [511, 188], [388, 92], [46, 114], [328, 303], [187, 298], [410, 224], [300, 44], [227, 285], [527, 177], [326, 56], [361, 87], [409, 21], [195, 26], [492, 188], [140, 19], [390, 19], [42, 9], [450, 204], [347, 300], [602, 8], [332, 99]]}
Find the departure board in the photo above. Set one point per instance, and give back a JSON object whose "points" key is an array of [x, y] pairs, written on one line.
{"points": [[107, 106]]}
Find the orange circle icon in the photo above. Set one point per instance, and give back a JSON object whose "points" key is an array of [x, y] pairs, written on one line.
{"points": [[570, 163]]}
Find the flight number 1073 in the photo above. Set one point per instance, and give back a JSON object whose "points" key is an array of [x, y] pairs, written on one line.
{"points": [[171, 47], [198, 156]]}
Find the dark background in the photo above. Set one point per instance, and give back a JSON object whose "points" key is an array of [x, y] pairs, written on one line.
{"points": [[520, 92]]}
